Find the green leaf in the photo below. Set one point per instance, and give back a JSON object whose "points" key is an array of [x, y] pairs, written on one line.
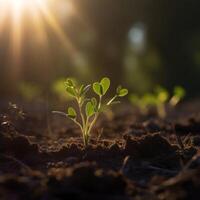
{"points": [[71, 91], [179, 92], [94, 102], [123, 92], [69, 82], [118, 89], [162, 94], [71, 113], [89, 109], [98, 88], [105, 83]]}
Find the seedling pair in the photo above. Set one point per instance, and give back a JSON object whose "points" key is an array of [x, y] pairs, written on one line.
{"points": [[158, 99], [88, 109]]}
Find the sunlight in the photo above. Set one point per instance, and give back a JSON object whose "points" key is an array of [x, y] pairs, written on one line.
{"points": [[13, 13], [36, 15]]}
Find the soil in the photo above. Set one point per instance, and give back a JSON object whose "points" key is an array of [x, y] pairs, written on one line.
{"points": [[130, 156]]}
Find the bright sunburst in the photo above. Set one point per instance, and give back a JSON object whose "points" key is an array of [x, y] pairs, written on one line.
{"points": [[38, 13]]}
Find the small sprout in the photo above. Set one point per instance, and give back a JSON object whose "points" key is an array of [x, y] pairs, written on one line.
{"points": [[121, 92], [158, 99], [144, 102], [92, 106], [162, 94], [162, 97], [179, 94]]}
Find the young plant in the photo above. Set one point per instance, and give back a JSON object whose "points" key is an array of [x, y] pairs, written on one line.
{"points": [[161, 98], [144, 102], [158, 99], [179, 94], [88, 109]]}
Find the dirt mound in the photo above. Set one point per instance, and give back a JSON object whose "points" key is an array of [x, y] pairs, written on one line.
{"points": [[149, 146], [70, 182], [184, 186]]}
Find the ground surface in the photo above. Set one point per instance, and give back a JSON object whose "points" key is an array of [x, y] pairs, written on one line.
{"points": [[130, 156]]}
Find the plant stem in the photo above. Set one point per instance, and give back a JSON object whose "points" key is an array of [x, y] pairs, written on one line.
{"points": [[161, 110], [85, 134], [60, 113], [81, 114], [111, 100], [77, 124], [93, 123], [65, 115], [95, 117]]}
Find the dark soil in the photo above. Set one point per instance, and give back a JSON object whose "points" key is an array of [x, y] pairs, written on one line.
{"points": [[130, 156]]}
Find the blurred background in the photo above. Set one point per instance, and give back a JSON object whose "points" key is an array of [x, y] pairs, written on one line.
{"points": [[137, 43]]}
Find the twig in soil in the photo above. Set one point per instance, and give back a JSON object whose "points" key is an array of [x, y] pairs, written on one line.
{"points": [[124, 164], [179, 141], [186, 167], [26, 167], [124, 168], [185, 140], [99, 135], [162, 170], [180, 144], [178, 138]]}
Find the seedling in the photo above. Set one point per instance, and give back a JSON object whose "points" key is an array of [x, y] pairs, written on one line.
{"points": [[158, 99], [161, 98], [179, 94], [148, 100], [88, 109], [144, 102]]}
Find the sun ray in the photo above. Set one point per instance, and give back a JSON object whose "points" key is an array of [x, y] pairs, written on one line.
{"points": [[3, 14], [16, 33], [53, 23], [38, 27], [33, 17]]}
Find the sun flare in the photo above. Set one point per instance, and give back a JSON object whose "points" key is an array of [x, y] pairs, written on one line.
{"points": [[17, 8], [34, 15]]}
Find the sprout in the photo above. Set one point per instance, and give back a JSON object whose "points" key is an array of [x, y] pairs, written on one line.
{"points": [[88, 109], [162, 96], [179, 94], [158, 99]]}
